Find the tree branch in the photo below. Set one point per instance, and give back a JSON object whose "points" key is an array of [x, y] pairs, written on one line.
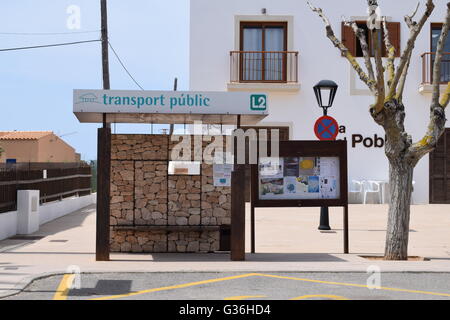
{"points": [[391, 53], [409, 19], [344, 50], [402, 81], [380, 93], [360, 34], [436, 125], [445, 97], [415, 30]]}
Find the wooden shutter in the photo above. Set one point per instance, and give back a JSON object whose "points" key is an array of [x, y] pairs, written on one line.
{"points": [[394, 36], [348, 38]]}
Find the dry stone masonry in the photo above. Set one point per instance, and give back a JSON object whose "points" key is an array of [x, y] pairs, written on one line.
{"points": [[152, 211]]}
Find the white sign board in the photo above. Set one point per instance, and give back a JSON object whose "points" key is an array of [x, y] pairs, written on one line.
{"points": [[165, 103]]}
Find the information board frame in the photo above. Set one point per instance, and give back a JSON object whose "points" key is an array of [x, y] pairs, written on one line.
{"points": [[307, 149], [292, 148]]}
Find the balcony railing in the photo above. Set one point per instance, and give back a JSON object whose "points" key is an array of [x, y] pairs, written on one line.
{"points": [[427, 67], [264, 66]]}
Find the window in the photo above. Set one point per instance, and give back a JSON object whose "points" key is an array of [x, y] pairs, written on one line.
{"points": [[436, 29], [352, 43], [263, 51]]}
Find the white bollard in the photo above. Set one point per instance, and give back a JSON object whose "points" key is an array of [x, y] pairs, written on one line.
{"points": [[27, 211]]}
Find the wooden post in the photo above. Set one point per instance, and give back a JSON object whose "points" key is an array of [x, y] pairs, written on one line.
{"points": [[103, 155], [103, 191], [252, 227], [237, 207], [253, 172], [238, 213], [346, 250]]}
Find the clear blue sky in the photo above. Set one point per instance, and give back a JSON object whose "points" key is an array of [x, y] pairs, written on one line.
{"points": [[150, 36]]}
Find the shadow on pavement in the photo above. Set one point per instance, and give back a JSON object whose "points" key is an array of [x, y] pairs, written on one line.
{"points": [[225, 257], [103, 288]]}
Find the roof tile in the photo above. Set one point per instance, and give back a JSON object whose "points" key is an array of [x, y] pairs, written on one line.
{"points": [[23, 135]]}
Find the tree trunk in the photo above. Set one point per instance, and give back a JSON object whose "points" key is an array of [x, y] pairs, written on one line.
{"points": [[397, 235]]}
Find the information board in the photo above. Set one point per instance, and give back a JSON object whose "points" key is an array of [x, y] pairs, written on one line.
{"points": [[298, 178], [305, 173]]}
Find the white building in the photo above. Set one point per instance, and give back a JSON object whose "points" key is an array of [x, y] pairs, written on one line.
{"points": [[223, 32]]}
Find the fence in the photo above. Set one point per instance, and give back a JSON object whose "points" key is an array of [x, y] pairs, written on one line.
{"points": [[264, 66], [56, 184], [427, 67]]}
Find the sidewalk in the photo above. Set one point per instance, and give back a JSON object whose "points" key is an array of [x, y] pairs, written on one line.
{"points": [[287, 240]]}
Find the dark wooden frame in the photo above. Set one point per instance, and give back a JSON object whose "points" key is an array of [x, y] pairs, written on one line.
{"points": [[102, 247], [370, 42], [432, 176], [306, 149], [433, 26], [263, 25]]}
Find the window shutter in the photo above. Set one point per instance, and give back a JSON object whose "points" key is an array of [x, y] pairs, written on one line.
{"points": [[348, 38], [394, 36]]}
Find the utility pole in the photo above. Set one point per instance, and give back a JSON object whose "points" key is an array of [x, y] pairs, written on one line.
{"points": [[175, 85], [103, 156], [105, 58]]}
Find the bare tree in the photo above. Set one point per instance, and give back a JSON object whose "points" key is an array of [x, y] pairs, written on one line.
{"points": [[389, 112]]}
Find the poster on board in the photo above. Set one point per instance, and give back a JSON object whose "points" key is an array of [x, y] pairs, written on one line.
{"points": [[221, 169], [222, 175], [298, 178]]}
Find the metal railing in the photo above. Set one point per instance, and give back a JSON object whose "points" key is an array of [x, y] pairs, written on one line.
{"points": [[427, 67], [58, 184], [264, 66]]}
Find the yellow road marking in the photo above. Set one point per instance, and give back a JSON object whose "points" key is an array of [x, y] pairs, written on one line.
{"points": [[354, 285], [64, 287], [330, 296], [191, 284], [185, 285], [243, 297]]}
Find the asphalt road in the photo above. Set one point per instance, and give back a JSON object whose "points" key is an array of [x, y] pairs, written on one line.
{"points": [[239, 286]]}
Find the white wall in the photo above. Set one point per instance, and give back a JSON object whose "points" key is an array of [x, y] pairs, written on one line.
{"points": [[8, 224], [47, 212], [54, 210], [212, 37]]}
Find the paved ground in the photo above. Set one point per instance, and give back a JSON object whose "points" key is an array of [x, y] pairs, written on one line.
{"points": [[239, 286], [287, 241]]}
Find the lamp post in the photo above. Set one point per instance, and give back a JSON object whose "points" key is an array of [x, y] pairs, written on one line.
{"points": [[325, 92]]}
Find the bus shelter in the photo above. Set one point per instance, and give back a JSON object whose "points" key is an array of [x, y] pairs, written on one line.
{"points": [[145, 201]]}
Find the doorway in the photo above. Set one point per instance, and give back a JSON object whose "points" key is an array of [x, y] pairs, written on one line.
{"points": [[440, 170]]}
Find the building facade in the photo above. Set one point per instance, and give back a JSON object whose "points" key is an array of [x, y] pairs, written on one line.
{"points": [[280, 47], [35, 146]]}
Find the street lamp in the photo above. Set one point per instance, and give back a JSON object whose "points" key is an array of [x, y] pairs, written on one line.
{"points": [[325, 92]]}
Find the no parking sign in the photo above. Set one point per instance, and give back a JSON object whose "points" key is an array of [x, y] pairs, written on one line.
{"points": [[326, 128]]}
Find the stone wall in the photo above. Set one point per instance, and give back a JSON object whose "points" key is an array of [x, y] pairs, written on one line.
{"points": [[152, 211], [150, 193], [184, 200]]}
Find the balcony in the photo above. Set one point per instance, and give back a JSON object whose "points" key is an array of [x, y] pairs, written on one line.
{"points": [[264, 70], [427, 71]]}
